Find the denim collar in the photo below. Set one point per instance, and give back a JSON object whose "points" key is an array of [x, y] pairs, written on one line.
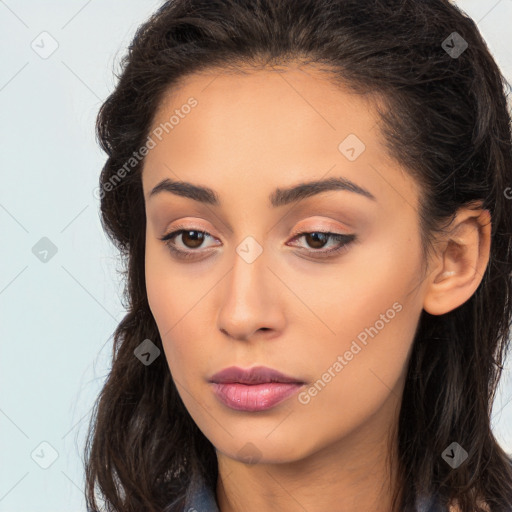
{"points": [[201, 498]]}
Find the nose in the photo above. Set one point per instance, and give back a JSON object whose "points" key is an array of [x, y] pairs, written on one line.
{"points": [[251, 300]]}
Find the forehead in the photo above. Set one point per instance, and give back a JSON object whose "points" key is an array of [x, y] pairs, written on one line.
{"points": [[265, 127], [299, 104]]}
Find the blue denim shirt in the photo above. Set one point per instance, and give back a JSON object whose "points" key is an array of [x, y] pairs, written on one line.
{"points": [[201, 498]]}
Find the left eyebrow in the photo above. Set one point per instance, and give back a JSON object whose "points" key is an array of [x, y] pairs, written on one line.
{"points": [[279, 197]]}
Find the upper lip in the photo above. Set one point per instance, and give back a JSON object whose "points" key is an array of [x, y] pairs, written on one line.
{"points": [[254, 375]]}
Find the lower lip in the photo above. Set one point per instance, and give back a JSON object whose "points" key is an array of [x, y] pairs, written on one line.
{"points": [[255, 397]]}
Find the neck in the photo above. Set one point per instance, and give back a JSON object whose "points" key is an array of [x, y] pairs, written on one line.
{"points": [[357, 473]]}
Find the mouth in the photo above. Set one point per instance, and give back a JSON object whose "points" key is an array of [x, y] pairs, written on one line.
{"points": [[256, 389], [251, 376]]}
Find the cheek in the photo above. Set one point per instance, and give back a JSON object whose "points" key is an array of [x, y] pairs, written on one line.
{"points": [[366, 296], [165, 303], [356, 372], [369, 317], [175, 308]]}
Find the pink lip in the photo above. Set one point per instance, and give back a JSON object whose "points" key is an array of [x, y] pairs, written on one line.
{"points": [[254, 375], [254, 397], [255, 389]]}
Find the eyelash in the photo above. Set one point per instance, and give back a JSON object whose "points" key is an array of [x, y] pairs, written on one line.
{"points": [[345, 241]]}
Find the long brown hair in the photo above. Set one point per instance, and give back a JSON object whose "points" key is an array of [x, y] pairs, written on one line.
{"points": [[445, 119]]}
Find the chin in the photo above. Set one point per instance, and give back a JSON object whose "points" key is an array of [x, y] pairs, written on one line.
{"points": [[261, 451]]}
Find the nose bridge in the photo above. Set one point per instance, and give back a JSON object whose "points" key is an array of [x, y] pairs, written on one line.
{"points": [[248, 277], [247, 302]]}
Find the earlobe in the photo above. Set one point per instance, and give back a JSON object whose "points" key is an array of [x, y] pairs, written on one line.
{"points": [[460, 262]]}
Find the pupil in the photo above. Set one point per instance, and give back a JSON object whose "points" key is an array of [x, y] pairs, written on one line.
{"points": [[315, 237], [197, 238]]}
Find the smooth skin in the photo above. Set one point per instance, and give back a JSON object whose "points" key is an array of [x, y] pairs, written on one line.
{"points": [[290, 309]]}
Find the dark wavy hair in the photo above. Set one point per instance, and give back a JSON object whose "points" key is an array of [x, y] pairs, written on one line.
{"points": [[444, 118]]}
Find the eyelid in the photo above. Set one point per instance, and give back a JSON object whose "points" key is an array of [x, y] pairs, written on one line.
{"points": [[320, 226], [304, 227]]}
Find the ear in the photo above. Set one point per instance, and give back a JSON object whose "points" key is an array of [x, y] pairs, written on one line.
{"points": [[460, 261]]}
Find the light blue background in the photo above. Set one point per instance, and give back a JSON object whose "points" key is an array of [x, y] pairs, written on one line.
{"points": [[58, 317]]}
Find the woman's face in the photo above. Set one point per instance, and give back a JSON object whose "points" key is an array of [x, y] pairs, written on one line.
{"points": [[255, 293]]}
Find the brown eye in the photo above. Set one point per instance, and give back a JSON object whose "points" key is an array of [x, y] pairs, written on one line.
{"points": [[191, 242], [192, 239], [318, 239]]}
